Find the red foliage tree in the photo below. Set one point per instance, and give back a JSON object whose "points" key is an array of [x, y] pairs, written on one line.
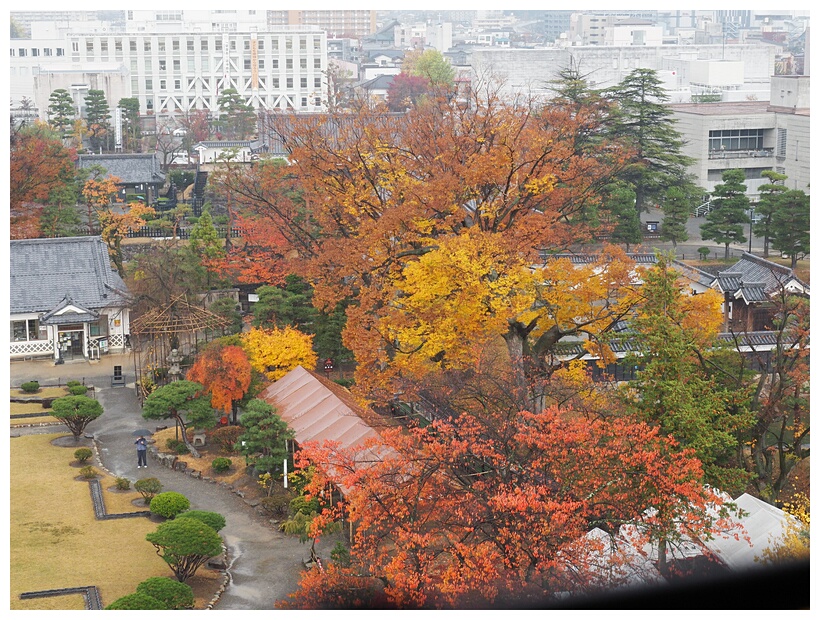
{"points": [[471, 510], [225, 372], [405, 90]]}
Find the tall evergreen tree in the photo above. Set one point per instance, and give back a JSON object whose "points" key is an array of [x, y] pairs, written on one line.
{"points": [[619, 200], [643, 121], [677, 207], [264, 438], [237, 118], [790, 225], [131, 121], [61, 110], [725, 221], [98, 118], [767, 205]]}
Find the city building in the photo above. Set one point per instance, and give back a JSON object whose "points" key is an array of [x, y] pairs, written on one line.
{"points": [[344, 23], [750, 135]]}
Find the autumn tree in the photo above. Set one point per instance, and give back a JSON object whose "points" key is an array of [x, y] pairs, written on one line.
{"points": [[183, 401], [61, 110], [275, 352], [225, 372], [474, 511], [405, 90], [724, 223], [39, 167], [97, 118], [264, 437], [431, 65], [197, 125], [166, 144], [76, 412], [375, 193], [642, 119]]}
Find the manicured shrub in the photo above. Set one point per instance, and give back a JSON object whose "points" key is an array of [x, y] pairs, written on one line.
{"points": [[137, 600], [173, 594], [169, 504], [30, 387], [88, 472], [175, 445], [72, 383], [122, 484], [78, 390], [212, 519], [83, 454], [225, 438], [148, 488], [221, 464]]}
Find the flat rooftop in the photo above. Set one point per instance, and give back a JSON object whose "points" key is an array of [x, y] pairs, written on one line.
{"points": [[722, 108]]}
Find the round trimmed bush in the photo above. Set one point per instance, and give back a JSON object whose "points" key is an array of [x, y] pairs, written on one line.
{"points": [[83, 454], [212, 519], [78, 390], [221, 464], [148, 488], [169, 504], [72, 383], [137, 600], [88, 472], [30, 387], [122, 484], [171, 593]]}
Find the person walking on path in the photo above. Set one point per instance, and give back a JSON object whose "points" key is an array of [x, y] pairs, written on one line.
{"points": [[142, 451]]}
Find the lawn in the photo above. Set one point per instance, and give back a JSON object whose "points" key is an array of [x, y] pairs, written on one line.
{"points": [[56, 542]]}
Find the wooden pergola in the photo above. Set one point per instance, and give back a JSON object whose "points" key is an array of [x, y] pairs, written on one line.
{"points": [[179, 327]]}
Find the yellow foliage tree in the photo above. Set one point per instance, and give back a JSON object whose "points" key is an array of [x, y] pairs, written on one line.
{"points": [[794, 544], [275, 352]]}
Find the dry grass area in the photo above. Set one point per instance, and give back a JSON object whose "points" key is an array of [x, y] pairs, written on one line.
{"points": [[44, 392], [56, 542], [20, 408]]}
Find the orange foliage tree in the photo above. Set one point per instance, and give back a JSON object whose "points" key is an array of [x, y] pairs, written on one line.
{"points": [[375, 192], [225, 372], [275, 352], [39, 164], [473, 511]]}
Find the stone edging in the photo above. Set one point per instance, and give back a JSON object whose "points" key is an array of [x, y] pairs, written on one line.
{"points": [[154, 452], [90, 594]]}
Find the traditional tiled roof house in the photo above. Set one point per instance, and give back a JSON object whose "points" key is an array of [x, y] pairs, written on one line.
{"points": [[67, 301]]}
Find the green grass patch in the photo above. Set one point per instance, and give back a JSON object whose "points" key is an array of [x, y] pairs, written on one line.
{"points": [[55, 540]]}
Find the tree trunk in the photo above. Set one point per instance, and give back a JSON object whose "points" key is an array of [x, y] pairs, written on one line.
{"points": [[187, 443]]}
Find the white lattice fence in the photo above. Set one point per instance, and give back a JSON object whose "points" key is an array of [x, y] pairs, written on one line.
{"points": [[116, 341], [32, 347]]}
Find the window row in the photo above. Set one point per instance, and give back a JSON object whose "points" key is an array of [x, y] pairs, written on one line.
{"points": [[205, 45], [177, 83], [22, 52], [736, 140], [29, 329]]}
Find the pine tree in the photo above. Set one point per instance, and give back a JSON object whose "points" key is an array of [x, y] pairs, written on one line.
{"points": [[790, 225], [236, 116], [725, 221], [265, 436], [98, 118], [619, 199], [767, 205], [645, 123], [677, 206], [131, 121], [61, 110]]}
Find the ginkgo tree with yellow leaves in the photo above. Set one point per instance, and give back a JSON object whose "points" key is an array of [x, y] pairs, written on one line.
{"points": [[275, 352]]}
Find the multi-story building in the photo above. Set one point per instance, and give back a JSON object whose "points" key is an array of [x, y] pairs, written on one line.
{"points": [[337, 23], [752, 136]]}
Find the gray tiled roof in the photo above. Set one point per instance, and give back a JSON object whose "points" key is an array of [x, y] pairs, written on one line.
{"points": [[751, 270], [44, 271], [130, 168]]}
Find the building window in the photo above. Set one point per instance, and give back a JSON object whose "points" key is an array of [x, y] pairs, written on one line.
{"points": [[203, 45], [60, 51], [177, 84], [163, 65], [274, 64], [146, 45], [317, 63], [304, 102], [46, 51], [302, 43], [303, 82], [247, 64], [736, 140], [260, 44], [289, 83], [149, 84], [289, 63], [218, 45], [261, 63], [104, 46], [176, 66], [303, 63], [247, 45], [163, 85], [233, 45], [317, 82], [28, 329], [132, 45], [75, 46], [190, 45], [118, 45], [175, 45], [161, 45], [274, 82], [89, 47], [782, 137], [35, 51], [317, 101]]}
